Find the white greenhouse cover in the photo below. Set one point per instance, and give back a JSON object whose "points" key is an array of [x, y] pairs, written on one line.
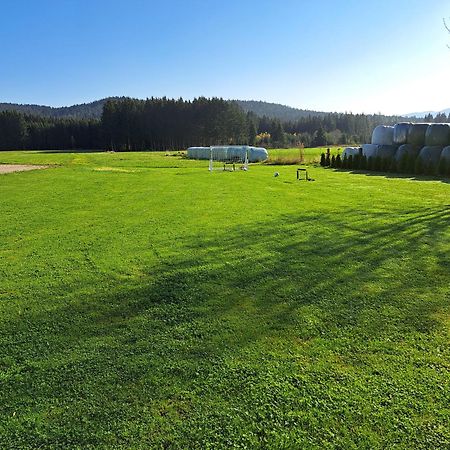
{"points": [[228, 152]]}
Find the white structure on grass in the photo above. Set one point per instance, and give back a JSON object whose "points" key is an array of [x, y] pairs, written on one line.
{"points": [[228, 154]]}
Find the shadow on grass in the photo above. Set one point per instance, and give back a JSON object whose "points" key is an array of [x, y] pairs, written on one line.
{"points": [[72, 151], [412, 177], [244, 304]]}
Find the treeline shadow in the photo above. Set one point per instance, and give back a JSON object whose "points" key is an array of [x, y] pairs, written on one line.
{"points": [[297, 278], [396, 175]]}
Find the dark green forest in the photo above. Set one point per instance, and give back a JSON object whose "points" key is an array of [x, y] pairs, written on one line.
{"points": [[128, 124]]}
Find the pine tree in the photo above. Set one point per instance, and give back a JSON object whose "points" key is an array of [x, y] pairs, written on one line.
{"points": [[363, 162], [251, 132], [344, 164], [393, 165], [442, 166], [319, 138], [350, 162]]}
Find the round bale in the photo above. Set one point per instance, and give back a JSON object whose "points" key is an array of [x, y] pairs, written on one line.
{"points": [[445, 154], [350, 151], [416, 134], [438, 134], [370, 150], [386, 151], [430, 154], [407, 151], [401, 132], [383, 135]]}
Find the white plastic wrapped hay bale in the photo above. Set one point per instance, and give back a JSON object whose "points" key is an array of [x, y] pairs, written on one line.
{"points": [[430, 154], [386, 151], [438, 134], [407, 151], [445, 154], [401, 132], [198, 152], [257, 154], [350, 151], [383, 135], [370, 150], [416, 134]]}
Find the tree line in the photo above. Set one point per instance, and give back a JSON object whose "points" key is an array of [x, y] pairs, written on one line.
{"points": [[128, 124]]}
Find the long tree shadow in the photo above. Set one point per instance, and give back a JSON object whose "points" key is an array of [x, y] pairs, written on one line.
{"points": [[397, 175], [228, 299]]}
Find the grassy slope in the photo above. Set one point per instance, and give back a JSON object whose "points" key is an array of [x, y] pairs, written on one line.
{"points": [[152, 304]]}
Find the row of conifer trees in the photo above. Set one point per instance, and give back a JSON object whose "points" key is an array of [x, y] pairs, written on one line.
{"points": [[408, 164]]}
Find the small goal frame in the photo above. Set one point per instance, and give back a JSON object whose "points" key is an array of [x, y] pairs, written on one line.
{"points": [[227, 163]]}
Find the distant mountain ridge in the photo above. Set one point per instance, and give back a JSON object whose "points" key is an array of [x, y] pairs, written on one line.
{"points": [[426, 113], [276, 110]]}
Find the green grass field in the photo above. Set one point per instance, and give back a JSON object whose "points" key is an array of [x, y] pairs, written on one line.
{"points": [[292, 155], [146, 303]]}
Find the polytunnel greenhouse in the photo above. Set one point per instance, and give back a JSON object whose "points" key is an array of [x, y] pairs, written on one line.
{"points": [[228, 153]]}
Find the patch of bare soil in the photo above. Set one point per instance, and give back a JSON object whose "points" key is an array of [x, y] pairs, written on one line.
{"points": [[8, 168]]}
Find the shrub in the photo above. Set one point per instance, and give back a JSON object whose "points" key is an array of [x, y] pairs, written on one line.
{"points": [[322, 159], [344, 163], [419, 166], [403, 164], [350, 162], [333, 161], [393, 165], [377, 164], [338, 161], [411, 164], [442, 167], [385, 164], [363, 162]]}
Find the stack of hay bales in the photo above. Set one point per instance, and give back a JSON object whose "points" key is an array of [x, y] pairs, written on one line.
{"points": [[437, 137], [426, 141], [382, 145]]}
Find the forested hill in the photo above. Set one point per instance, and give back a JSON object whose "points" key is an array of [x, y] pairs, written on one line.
{"points": [[276, 111], [94, 110], [91, 110]]}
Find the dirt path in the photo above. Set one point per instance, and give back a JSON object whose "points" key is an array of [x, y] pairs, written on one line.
{"points": [[8, 168]]}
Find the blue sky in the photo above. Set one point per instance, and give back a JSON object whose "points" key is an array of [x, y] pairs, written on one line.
{"points": [[360, 56]]}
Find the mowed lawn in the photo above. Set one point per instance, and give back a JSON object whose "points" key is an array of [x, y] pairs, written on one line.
{"points": [[146, 303]]}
